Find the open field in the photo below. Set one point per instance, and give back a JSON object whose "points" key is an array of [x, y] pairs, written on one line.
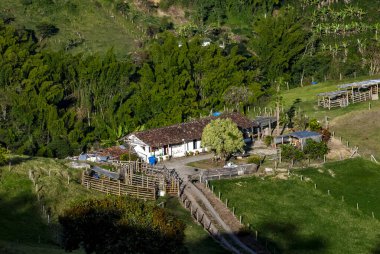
{"points": [[293, 217], [358, 180], [361, 128], [23, 227]]}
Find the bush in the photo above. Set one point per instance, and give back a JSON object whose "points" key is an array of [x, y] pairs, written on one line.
{"points": [[268, 140], [3, 156], [291, 153], [314, 125], [126, 157], [256, 159], [315, 150]]}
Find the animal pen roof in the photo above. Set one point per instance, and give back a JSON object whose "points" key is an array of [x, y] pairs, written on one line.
{"points": [[304, 134], [178, 133], [332, 94], [263, 121], [361, 84]]}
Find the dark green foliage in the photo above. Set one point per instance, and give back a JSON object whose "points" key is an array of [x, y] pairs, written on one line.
{"points": [[314, 125], [314, 149], [129, 157], [122, 7], [117, 225], [278, 42], [254, 159], [291, 153], [3, 156], [268, 140], [47, 30], [57, 104]]}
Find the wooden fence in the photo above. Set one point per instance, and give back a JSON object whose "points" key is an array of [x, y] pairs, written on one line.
{"points": [[140, 178], [222, 173], [117, 187]]}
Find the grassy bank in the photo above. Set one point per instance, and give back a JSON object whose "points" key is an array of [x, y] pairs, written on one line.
{"points": [[293, 217], [24, 228]]}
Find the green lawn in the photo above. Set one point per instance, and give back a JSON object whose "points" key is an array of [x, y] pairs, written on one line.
{"points": [[293, 217], [358, 180]]}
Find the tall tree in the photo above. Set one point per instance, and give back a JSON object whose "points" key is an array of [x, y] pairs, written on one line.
{"points": [[222, 137]]}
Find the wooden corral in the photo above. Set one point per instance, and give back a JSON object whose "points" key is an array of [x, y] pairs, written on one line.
{"points": [[117, 187], [350, 93], [135, 179]]}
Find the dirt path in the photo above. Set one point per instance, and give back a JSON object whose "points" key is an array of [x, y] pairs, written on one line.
{"points": [[338, 151]]}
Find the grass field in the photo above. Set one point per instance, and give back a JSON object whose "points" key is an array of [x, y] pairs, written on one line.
{"points": [[23, 228], [293, 217], [95, 21], [358, 180]]}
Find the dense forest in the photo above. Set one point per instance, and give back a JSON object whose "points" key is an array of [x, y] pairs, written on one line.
{"points": [[58, 101]]}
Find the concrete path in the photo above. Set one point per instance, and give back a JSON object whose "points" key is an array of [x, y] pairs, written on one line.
{"points": [[179, 164]]}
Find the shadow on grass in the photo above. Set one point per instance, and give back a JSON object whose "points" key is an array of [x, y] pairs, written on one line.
{"points": [[376, 249], [288, 239], [15, 160], [20, 218]]}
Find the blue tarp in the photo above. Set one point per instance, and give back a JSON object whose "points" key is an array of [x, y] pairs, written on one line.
{"points": [[216, 114]]}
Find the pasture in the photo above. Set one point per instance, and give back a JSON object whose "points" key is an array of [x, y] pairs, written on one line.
{"points": [[291, 216]]}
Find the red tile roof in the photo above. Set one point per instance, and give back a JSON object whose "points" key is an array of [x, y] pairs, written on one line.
{"points": [[178, 133]]}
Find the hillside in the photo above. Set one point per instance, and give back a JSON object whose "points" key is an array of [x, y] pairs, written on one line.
{"points": [[356, 123], [84, 26], [26, 228]]}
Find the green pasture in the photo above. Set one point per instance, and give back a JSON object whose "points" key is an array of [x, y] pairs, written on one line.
{"points": [[356, 180], [291, 216]]}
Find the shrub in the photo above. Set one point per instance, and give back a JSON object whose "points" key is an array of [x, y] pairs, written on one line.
{"points": [[127, 157], [291, 153], [314, 149], [314, 125], [256, 159], [268, 140]]}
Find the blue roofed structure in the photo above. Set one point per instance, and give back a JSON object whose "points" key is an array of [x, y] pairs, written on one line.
{"points": [[298, 138]]}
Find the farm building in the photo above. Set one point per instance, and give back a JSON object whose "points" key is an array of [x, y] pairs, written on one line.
{"points": [[180, 139], [297, 138], [264, 125], [350, 93]]}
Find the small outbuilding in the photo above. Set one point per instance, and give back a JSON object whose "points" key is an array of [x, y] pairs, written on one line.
{"points": [[298, 138]]}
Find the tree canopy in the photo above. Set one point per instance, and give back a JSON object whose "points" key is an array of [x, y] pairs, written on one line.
{"points": [[222, 137]]}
